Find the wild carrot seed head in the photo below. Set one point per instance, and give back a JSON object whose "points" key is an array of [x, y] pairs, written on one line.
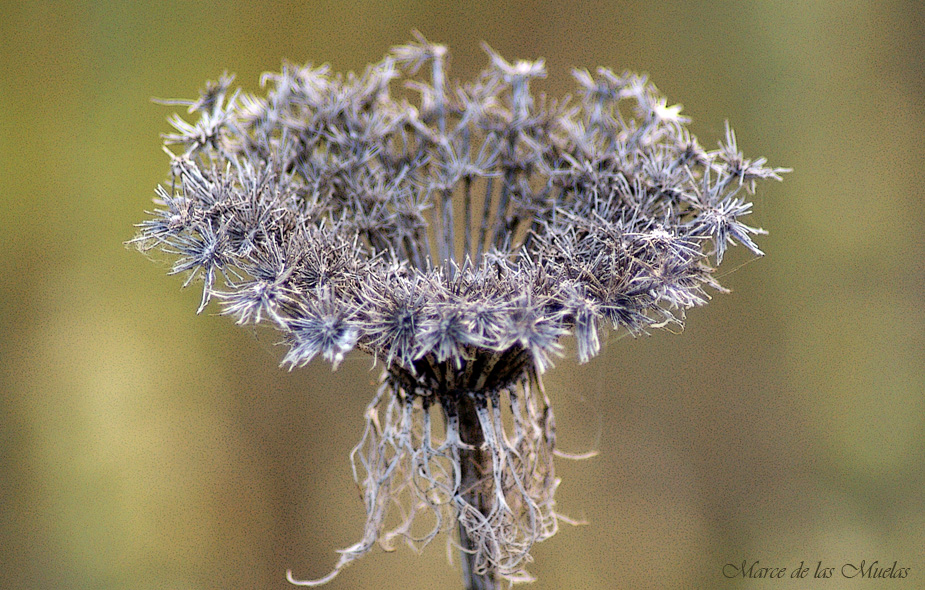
{"points": [[456, 238]]}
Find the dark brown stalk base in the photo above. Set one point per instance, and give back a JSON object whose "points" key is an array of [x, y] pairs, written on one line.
{"points": [[475, 463]]}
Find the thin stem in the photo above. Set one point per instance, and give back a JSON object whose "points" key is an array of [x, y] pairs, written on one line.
{"points": [[486, 213], [438, 80], [510, 173], [474, 461], [448, 239], [467, 207]]}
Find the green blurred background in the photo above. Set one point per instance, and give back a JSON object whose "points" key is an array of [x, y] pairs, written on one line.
{"points": [[142, 446]]}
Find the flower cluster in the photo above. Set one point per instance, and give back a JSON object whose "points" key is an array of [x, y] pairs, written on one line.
{"points": [[456, 232]]}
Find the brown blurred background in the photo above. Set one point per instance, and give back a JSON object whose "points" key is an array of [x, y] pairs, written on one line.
{"points": [[143, 447]]}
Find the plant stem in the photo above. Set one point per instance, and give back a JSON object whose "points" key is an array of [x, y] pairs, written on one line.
{"points": [[474, 463]]}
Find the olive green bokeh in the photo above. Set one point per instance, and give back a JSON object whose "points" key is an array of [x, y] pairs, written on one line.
{"points": [[142, 446]]}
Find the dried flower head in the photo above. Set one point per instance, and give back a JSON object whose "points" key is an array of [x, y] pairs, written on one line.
{"points": [[456, 238]]}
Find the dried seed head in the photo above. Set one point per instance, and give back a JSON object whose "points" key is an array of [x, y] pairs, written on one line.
{"points": [[456, 240]]}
